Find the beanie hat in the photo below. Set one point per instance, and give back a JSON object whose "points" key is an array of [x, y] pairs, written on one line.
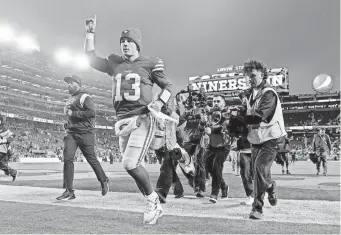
{"points": [[134, 35]]}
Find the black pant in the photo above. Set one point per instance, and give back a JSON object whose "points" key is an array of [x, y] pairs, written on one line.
{"points": [[168, 175], [198, 154], [285, 160], [246, 172], [263, 156], [215, 159], [86, 143], [4, 165], [322, 157]]}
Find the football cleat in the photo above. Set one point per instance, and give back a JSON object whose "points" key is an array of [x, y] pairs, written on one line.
{"points": [[153, 210]]}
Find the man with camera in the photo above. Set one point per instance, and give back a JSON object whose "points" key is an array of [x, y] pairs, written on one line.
{"points": [[218, 149], [321, 146], [196, 123], [266, 132]]}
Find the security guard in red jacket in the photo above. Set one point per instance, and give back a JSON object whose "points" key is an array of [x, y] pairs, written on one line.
{"points": [[81, 112]]}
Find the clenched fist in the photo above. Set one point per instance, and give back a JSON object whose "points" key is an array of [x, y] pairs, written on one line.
{"points": [[90, 25]]}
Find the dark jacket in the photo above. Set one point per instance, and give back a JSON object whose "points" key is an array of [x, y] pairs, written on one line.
{"points": [[321, 143], [82, 119]]}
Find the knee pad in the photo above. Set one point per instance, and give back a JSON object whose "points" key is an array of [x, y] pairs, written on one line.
{"points": [[128, 164]]}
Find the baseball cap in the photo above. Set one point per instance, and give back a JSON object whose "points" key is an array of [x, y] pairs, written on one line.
{"points": [[132, 34], [73, 78]]}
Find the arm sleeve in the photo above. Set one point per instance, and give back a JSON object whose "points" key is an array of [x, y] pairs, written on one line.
{"points": [[90, 111], [159, 76], [266, 109], [98, 63]]}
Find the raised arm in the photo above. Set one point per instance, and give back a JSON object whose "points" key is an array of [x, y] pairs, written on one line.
{"points": [[98, 63]]}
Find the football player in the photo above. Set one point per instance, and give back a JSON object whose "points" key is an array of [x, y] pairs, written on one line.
{"points": [[133, 78]]}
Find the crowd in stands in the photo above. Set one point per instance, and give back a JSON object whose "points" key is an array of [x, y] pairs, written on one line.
{"points": [[312, 118]]}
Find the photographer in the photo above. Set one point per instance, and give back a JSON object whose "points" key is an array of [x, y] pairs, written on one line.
{"points": [[266, 132], [322, 147], [168, 146], [218, 149], [196, 109]]}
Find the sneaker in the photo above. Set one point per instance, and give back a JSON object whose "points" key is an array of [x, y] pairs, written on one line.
{"points": [[73, 196], [67, 195], [179, 195], [105, 187], [213, 198], [200, 193], [15, 175], [325, 174], [288, 172], [272, 198], [256, 215], [224, 192], [318, 173], [283, 172], [249, 200], [153, 210]]}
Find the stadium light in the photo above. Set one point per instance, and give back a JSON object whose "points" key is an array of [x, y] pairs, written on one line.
{"points": [[63, 56], [81, 62], [6, 34], [27, 43]]}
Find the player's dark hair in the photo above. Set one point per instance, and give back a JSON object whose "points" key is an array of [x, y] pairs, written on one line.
{"points": [[257, 65], [218, 95]]}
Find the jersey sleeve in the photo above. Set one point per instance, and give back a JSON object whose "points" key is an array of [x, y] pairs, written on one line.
{"points": [[105, 65], [158, 74], [159, 77]]}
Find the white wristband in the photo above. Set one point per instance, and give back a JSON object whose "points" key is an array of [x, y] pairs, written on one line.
{"points": [[90, 36]]}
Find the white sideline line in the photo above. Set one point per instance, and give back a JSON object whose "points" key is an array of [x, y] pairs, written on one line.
{"points": [[287, 211]]}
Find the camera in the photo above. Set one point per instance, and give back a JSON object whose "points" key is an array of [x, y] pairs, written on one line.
{"points": [[236, 125]]}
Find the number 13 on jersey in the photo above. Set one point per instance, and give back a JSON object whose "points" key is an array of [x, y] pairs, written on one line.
{"points": [[135, 87]]}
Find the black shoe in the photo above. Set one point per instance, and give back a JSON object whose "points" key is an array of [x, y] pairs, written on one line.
{"points": [[272, 194], [288, 172], [256, 215], [105, 187], [73, 196], [179, 195], [15, 176], [67, 195], [325, 174], [200, 193], [213, 198], [224, 192]]}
